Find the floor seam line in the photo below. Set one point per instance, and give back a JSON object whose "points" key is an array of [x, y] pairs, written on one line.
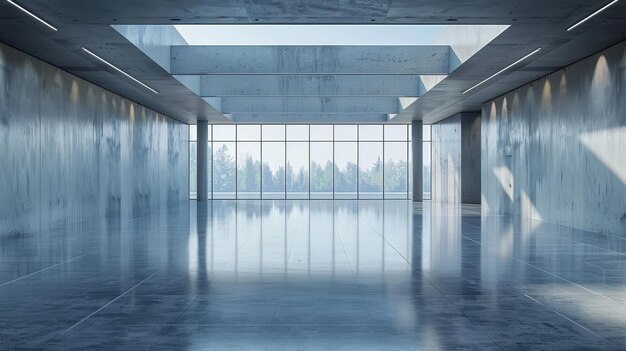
{"points": [[109, 303], [45, 269], [565, 317]]}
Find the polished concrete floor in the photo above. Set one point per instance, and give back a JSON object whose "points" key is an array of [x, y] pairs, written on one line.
{"points": [[310, 275]]}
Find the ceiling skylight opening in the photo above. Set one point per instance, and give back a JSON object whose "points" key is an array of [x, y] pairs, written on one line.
{"points": [[309, 35]]}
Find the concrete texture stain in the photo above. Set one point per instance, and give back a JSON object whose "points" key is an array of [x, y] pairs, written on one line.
{"points": [[562, 140], [71, 151]]}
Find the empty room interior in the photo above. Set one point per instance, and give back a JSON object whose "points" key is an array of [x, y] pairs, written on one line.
{"points": [[313, 175]]}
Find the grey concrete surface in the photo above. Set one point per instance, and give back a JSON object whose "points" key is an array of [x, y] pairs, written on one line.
{"points": [[470, 158], [555, 149], [202, 170], [200, 60], [310, 85], [308, 104], [533, 23], [154, 41], [71, 151], [308, 118], [456, 159], [417, 160], [446, 160]]}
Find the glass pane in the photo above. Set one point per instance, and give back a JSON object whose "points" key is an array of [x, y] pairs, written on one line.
{"points": [[193, 169], [248, 132], [346, 170], [273, 170], [427, 169], [273, 132], [298, 132], [224, 172], [371, 133], [321, 170], [249, 170], [224, 132], [371, 170], [396, 168], [395, 132], [426, 132], [298, 170], [321, 132], [193, 132], [345, 132]]}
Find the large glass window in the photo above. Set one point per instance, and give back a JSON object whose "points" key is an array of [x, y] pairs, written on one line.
{"points": [[300, 161], [249, 170], [248, 132], [396, 170], [224, 170], [370, 133], [273, 132], [346, 170], [396, 173], [371, 170], [346, 133], [298, 132], [321, 132], [273, 170], [224, 132], [321, 170], [298, 169]]}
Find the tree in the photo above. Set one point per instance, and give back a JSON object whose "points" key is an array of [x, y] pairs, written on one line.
{"points": [[249, 175], [224, 170]]}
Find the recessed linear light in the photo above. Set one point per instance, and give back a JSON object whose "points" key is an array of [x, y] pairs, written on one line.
{"points": [[593, 14], [119, 70], [32, 15], [504, 69]]}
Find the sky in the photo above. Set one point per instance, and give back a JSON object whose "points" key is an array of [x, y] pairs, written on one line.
{"points": [[259, 34]]}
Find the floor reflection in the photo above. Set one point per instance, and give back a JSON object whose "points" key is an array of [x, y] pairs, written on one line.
{"points": [[313, 275]]}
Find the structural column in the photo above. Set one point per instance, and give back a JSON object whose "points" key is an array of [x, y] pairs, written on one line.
{"points": [[417, 160], [456, 159], [203, 160]]}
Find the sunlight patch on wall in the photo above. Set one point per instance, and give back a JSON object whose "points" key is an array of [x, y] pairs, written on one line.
{"points": [[608, 146], [505, 178], [531, 214]]}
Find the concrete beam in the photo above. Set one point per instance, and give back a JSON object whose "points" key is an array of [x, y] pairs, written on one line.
{"points": [[203, 161], [197, 60], [310, 85], [309, 118], [307, 104], [456, 159]]}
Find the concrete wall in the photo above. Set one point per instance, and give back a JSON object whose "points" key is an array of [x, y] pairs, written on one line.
{"points": [[71, 151], [446, 160], [456, 159], [555, 150]]}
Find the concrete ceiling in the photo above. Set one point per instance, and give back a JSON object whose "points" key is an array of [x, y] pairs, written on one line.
{"points": [[303, 82], [533, 23]]}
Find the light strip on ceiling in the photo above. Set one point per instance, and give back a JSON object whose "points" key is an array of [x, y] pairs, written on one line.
{"points": [[119, 70], [593, 14], [32, 15], [502, 70]]}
